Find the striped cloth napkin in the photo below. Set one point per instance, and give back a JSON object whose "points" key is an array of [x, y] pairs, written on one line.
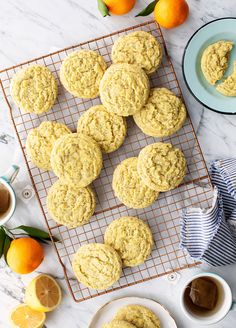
{"points": [[209, 235]]}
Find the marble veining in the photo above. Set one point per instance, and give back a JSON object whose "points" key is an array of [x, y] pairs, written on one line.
{"points": [[29, 29]]}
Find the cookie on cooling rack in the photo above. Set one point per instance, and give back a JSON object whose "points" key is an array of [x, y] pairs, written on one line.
{"points": [[34, 89], [129, 187], [97, 266], [131, 238], [214, 61], [161, 166], [40, 142], [139, 316], [107, 128], [81, 73], [118, 324], [70, 205], [139, 48], [124, 89], [76, 159], [163, 115]]}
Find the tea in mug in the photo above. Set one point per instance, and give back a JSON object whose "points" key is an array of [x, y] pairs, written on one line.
{"points": [[4, 199], [201, 295]]}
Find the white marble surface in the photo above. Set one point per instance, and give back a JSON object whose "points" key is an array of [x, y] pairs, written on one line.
{"points": [[32, 28]]}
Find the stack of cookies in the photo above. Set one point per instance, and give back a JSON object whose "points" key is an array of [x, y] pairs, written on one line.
{"points": [[128, 242], [76, 158], [134, 316], [159, 167]]}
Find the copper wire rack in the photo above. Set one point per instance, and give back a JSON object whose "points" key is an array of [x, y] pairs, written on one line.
{"points": [[163, 216]]}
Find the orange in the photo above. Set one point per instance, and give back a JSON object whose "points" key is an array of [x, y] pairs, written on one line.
{"points": [[171, 13], [119, 7], [24, 255]]}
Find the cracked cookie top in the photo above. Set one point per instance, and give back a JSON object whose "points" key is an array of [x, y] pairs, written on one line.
{"points": [[124, 89], [139, 48], [163, 114], [40, 142], [97, 266], [131, 238], [161, 166], [70, 205], [34, 89], [228, 86], [214, 60], [81, 73], [129, 187], [139, 316], [76, 159], [107, 128]]}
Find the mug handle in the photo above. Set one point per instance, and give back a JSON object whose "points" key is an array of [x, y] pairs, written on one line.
{"points": [[11, 174], [233, 306]]}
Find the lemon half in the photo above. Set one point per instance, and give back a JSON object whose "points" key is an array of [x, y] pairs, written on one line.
{"points": [[43, 293], [25, 317]]}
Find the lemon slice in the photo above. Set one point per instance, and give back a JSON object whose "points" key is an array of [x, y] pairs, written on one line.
{"points": [[43, 293], [25, 317]]}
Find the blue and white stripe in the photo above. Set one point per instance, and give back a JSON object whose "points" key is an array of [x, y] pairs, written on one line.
{"points": [[210, 234]]}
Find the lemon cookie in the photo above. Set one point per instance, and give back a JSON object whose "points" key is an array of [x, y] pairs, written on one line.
{"points": [[76, 159], [161, 166], [118, 324], [124, 89], [108, 129], [214, 60], [70, 205], [163, 115], [34, 89], [228, 86], [139, 316], [139, 48], [81, 73], [40, 142], [131, 238], [129, 187], [97, 266]]}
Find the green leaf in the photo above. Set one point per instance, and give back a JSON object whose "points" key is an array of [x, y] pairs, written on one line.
{"points": [[36, 233], [7, 243], [2, 240], [43, 241], [148, 10], [103, 8]]}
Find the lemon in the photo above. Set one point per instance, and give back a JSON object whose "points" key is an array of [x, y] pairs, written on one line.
{"points": [[43, 293], [25, 317]]}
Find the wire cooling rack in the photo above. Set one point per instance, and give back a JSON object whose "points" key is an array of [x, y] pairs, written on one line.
{"points": [[163, 216]]}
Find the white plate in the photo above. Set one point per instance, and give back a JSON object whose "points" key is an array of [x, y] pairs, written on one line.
{"points": [[107, 312]]}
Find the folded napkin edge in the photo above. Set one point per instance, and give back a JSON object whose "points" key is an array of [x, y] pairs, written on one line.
{"points": [[184, 240], [199, 210]]}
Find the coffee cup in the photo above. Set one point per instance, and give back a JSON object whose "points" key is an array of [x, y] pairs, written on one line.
{"points": [[5, 181], [224, 301]]}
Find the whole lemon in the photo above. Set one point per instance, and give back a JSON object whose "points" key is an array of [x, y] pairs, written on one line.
{"points": [[171, 13], [24, 255]]}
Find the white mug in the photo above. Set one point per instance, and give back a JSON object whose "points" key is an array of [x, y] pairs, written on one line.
{"points": [[224, 304], [7, 180]]}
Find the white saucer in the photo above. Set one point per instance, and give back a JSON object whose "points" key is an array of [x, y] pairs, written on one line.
{"points": [[107, 312]]}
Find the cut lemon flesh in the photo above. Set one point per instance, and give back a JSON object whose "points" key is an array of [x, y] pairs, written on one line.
{"points": [[25, 317], [43, 293]]}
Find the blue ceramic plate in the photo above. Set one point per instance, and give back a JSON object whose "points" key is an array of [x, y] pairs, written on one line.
{"points": [[206, 94]]}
